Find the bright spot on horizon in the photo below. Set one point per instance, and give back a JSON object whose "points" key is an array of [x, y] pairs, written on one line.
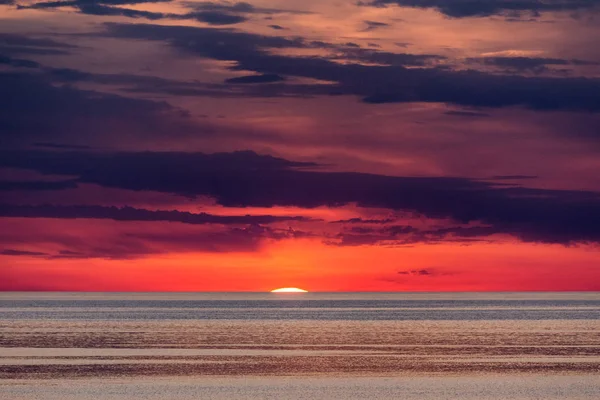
{"points": [[289, 290]]}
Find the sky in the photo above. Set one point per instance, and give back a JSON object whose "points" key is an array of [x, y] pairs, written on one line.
{"points": [[331, 145]]}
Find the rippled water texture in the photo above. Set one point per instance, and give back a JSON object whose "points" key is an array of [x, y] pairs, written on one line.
{"points": [[426, 345]]}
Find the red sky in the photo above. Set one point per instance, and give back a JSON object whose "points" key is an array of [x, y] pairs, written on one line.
{"points": [[219, 146]]}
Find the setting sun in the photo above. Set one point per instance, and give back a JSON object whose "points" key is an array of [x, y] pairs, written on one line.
{"points": [[289, 290]]}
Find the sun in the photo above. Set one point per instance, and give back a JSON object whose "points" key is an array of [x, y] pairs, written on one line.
{"points": [[289, 290]]}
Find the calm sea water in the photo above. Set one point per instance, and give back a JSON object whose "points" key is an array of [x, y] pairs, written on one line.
{"points": [[313, 345]]}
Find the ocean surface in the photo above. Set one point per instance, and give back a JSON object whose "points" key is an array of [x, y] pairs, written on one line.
{"points": [[299, 346]]}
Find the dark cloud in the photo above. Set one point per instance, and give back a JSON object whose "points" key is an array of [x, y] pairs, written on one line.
{"points": [[77, 3], [198, 164], [387, 235], [237, 8], [353, 52], [135, 214], [107, 8], [403, 235], [13, 44], [60, 146], [470, 114], [416, 272], [216, 18], [519, 62], [265, 78], [240, 7], [20, 50], [67, 75], [231, 88], [387, 58], [13, 39], [526, 64], [130, 242], [219, 241], [12, 252], [486, 8], [62, 254], [18, 63], [39, 185], [462, 232], [276, 27], [351, 239], [372, 25], [209, 12], [208, 42], [376, 84], [251, 50], [244, 239], [245, 179], [37, 110], [102, 10], [361, 230], [395, 230], [132, 245], [68, 253], [514, 177], [476, 89], [363, 221]]}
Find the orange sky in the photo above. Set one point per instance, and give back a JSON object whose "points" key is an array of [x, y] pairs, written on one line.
{"points": [[311, 265]]}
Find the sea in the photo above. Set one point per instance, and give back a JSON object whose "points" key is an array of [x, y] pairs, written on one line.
{"points": [[231, 346]]}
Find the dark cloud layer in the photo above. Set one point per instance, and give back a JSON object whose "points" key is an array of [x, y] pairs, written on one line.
{"points": [[363, 221], [265, 78], [136, 244], [13, 39], [391, 234], [358, 54], [486, 8], [241, 7], [372, 25], [102, 10], [61, 254], [62, 146], [246, 179], [402, 235], [208, 12], [213, 13], [468, 114], [376, 84], [514, 177], [37, 185], [527, 64], [417, 272], [231, 88], [17, 62], [12, 252], [216, 18], [75, 3], [211, 16], [12, 44], [36, 110], [133, 214], [389, 82], [238, 8]]}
